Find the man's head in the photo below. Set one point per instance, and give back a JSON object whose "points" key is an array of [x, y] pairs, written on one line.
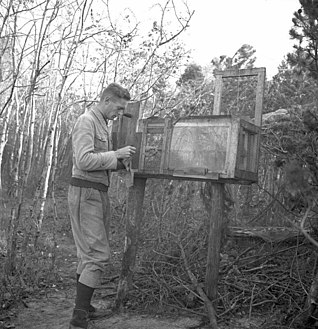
{"points": [[113, 101]]}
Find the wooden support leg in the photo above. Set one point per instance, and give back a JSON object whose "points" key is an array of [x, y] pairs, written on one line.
{"points": [[214, 239], [133, 225]]}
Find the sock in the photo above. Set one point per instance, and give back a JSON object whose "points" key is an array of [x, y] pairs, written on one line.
{"points": [[84, 295]]}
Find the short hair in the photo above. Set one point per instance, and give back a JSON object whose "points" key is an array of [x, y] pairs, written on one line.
{"points": [[114, 90]]}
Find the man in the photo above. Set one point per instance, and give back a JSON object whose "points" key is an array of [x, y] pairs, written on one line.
{"points": [[93, 159]]}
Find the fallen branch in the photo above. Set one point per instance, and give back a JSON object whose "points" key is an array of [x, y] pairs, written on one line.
{"points": [[304, 232], [204, 297]]}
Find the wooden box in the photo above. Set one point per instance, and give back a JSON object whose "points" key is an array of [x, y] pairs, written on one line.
{"points": [[219, 147], [208, 148]]}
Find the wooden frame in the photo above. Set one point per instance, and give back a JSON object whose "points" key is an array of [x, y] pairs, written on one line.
{"points": [[155, 140], [235, 73], [240, 150]]}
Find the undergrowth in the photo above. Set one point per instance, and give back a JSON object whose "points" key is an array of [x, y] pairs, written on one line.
{"points": [[255, 276]]}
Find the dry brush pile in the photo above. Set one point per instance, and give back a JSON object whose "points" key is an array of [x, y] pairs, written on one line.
{"points": [[256, 276]]}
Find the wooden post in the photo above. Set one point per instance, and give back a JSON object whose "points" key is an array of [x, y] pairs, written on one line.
{"points": [[133, 224], [214, 239], [259, 96]]}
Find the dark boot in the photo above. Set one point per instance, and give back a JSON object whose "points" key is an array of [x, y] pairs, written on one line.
{"points": [[84, 295], [79, 319], [82, 302]]}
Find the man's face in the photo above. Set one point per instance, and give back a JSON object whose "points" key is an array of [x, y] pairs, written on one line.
{"points": [[113, 108]]}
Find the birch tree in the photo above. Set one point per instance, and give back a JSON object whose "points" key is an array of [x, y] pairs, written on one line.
{"points": [[59, 54]]}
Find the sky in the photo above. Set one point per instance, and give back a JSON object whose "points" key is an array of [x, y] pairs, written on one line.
{"points": [[221, 27], [225, 25]]}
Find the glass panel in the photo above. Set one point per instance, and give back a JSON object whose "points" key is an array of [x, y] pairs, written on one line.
{"points": [[153, 152], [239, 96], [199, 146]]}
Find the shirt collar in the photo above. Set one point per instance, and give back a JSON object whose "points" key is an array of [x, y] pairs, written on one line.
{"points": [[99, 116]]}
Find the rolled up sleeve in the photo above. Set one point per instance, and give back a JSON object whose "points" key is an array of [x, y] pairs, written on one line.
{"points": [[83, 146]]}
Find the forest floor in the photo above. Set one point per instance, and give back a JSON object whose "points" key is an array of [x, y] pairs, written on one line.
{"points": [[53, 309], [50, 307]]}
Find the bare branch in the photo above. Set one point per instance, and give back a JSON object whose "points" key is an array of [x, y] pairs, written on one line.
{"points": [[204, 297]]}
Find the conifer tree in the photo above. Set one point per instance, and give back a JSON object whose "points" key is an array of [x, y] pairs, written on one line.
{"points": [[305, 32]]}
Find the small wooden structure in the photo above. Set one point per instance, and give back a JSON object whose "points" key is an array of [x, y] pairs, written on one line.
{"points": [[218, 147], [222, 148]]}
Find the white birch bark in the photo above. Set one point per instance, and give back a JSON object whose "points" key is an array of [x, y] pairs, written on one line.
{"points": [[49, 155], [4, 139]]}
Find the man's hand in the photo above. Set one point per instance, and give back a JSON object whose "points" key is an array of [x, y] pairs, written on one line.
{"points": [[125, 152]]}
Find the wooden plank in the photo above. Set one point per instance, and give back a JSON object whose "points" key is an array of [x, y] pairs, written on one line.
{"points": [[142, 153], [156, 122], [232, 73], [209, 177], [240, 150], [196, 173], [256, 150], [133, 225], [245, 151], [165, 144], [216, 222], [259, 97], [255, 153], [155, 130], [232, 148], [124, 131], [203, 118], [250, 152], [168, 145], [258, 113], [136, 142], [217, 95], [139, 127], [126, 126], [246, 175], [128, 133], [211, 121]]}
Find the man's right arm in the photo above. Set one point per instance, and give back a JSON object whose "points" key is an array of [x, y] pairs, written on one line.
{"points": [[83, 145], [85, 156]]}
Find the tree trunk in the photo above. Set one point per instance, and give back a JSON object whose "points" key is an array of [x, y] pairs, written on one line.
{"points": [[17, 192], [30, 140], [3, 142], [49, 158]]}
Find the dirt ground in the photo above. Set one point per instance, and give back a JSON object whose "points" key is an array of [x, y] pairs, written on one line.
{"points": [[54, 312], [52, 308]]}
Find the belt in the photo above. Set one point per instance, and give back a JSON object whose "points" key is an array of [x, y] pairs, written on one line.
{"points": [[86, 183]]}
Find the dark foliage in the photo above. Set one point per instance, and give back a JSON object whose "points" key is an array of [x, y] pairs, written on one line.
{"points": [[305, 32]]}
